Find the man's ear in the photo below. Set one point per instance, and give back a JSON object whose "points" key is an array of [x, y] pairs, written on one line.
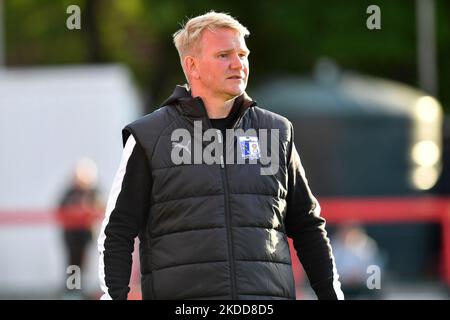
{"points": [[191, 67]]}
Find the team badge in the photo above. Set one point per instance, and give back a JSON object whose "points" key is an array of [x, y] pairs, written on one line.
{"points": [[249, 147]]}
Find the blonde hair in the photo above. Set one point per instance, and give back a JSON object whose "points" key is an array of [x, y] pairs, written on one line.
{"points": [[186, 39]]}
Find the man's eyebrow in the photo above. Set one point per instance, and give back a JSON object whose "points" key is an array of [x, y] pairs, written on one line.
{"points": [[230, 50]]}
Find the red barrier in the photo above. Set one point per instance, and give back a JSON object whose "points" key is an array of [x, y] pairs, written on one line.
{"points": [[384, 210], [70, 217]]}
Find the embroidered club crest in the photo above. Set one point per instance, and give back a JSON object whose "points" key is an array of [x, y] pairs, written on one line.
{"points": [[249, 147]]}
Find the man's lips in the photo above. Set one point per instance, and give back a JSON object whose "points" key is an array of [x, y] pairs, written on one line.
{"points": [[236, 78]]}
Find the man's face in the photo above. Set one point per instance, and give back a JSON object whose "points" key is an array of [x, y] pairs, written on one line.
{"points": [[223, 63]]}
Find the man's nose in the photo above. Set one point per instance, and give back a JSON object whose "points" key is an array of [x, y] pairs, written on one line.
{"points": [[237, 62]]}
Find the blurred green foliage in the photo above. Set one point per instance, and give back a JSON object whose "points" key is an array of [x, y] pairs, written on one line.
{"points": [[287, 37]]}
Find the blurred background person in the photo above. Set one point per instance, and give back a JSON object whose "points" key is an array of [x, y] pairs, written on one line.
{"points": [[355, 251], [79, 207]]}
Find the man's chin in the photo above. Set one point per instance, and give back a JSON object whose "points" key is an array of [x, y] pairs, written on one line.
{"points": [[235, 92]]}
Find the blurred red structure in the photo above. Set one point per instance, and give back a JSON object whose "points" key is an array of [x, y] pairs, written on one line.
{"points": [[73, 216]]}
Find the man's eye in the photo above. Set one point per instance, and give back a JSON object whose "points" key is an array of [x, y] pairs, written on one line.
{"points": [[222, 55]]}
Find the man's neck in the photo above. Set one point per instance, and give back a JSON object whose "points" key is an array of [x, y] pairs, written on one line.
{"points": [[217, 108]]}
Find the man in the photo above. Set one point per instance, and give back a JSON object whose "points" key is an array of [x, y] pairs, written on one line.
{"points": [[212, 230]]}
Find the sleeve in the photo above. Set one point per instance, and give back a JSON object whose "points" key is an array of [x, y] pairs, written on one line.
{"points": [[125, 215], [307, 229]]}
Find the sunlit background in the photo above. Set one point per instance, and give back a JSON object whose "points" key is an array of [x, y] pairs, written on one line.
{"points": [[369, 106]]}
